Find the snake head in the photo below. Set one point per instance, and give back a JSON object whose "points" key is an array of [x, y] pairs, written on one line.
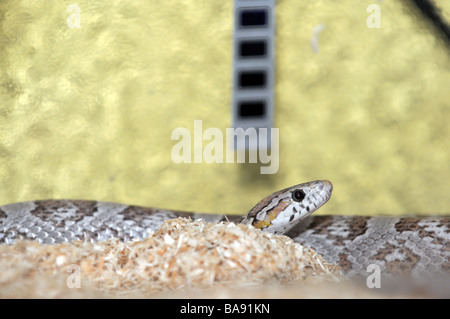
{"points": [[281, 211]]}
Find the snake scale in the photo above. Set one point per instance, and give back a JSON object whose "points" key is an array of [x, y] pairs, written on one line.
{"points": [[398, 245]]}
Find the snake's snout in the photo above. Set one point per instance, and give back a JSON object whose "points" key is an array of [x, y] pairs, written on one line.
{"points": [[327, 185], [323, 187]]}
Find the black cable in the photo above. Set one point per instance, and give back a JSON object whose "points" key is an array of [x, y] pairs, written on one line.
{"points": [[433, 13]]}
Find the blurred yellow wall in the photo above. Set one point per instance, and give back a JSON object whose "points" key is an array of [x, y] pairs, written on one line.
{"points": [[88, 112]]}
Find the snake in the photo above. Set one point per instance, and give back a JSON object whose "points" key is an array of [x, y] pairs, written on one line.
{"points": [[412, 245]]}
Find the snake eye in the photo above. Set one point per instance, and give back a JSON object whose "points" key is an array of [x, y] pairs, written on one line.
{"points": [[298, 195]]}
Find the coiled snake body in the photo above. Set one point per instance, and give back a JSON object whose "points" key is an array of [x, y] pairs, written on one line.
{"points": [[411, 245]]}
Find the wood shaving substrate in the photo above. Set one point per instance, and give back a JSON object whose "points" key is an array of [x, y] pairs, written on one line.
{"points": [[182, 254]]}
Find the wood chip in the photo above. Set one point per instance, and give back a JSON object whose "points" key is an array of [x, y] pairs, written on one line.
{"points": [[182, 254]]}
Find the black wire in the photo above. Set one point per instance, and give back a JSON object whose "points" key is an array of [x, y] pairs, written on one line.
{"points": [[432, 12]]}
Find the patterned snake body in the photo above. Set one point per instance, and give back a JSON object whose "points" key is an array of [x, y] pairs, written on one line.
{"points": [[398, 245]]}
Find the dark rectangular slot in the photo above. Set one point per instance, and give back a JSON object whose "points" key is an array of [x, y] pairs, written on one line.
{"points": [[252, 48], [252, 79], [253, 18], [252, 109]]}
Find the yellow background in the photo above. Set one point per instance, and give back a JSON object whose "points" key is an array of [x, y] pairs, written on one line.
{"points": [[88, 113]]}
